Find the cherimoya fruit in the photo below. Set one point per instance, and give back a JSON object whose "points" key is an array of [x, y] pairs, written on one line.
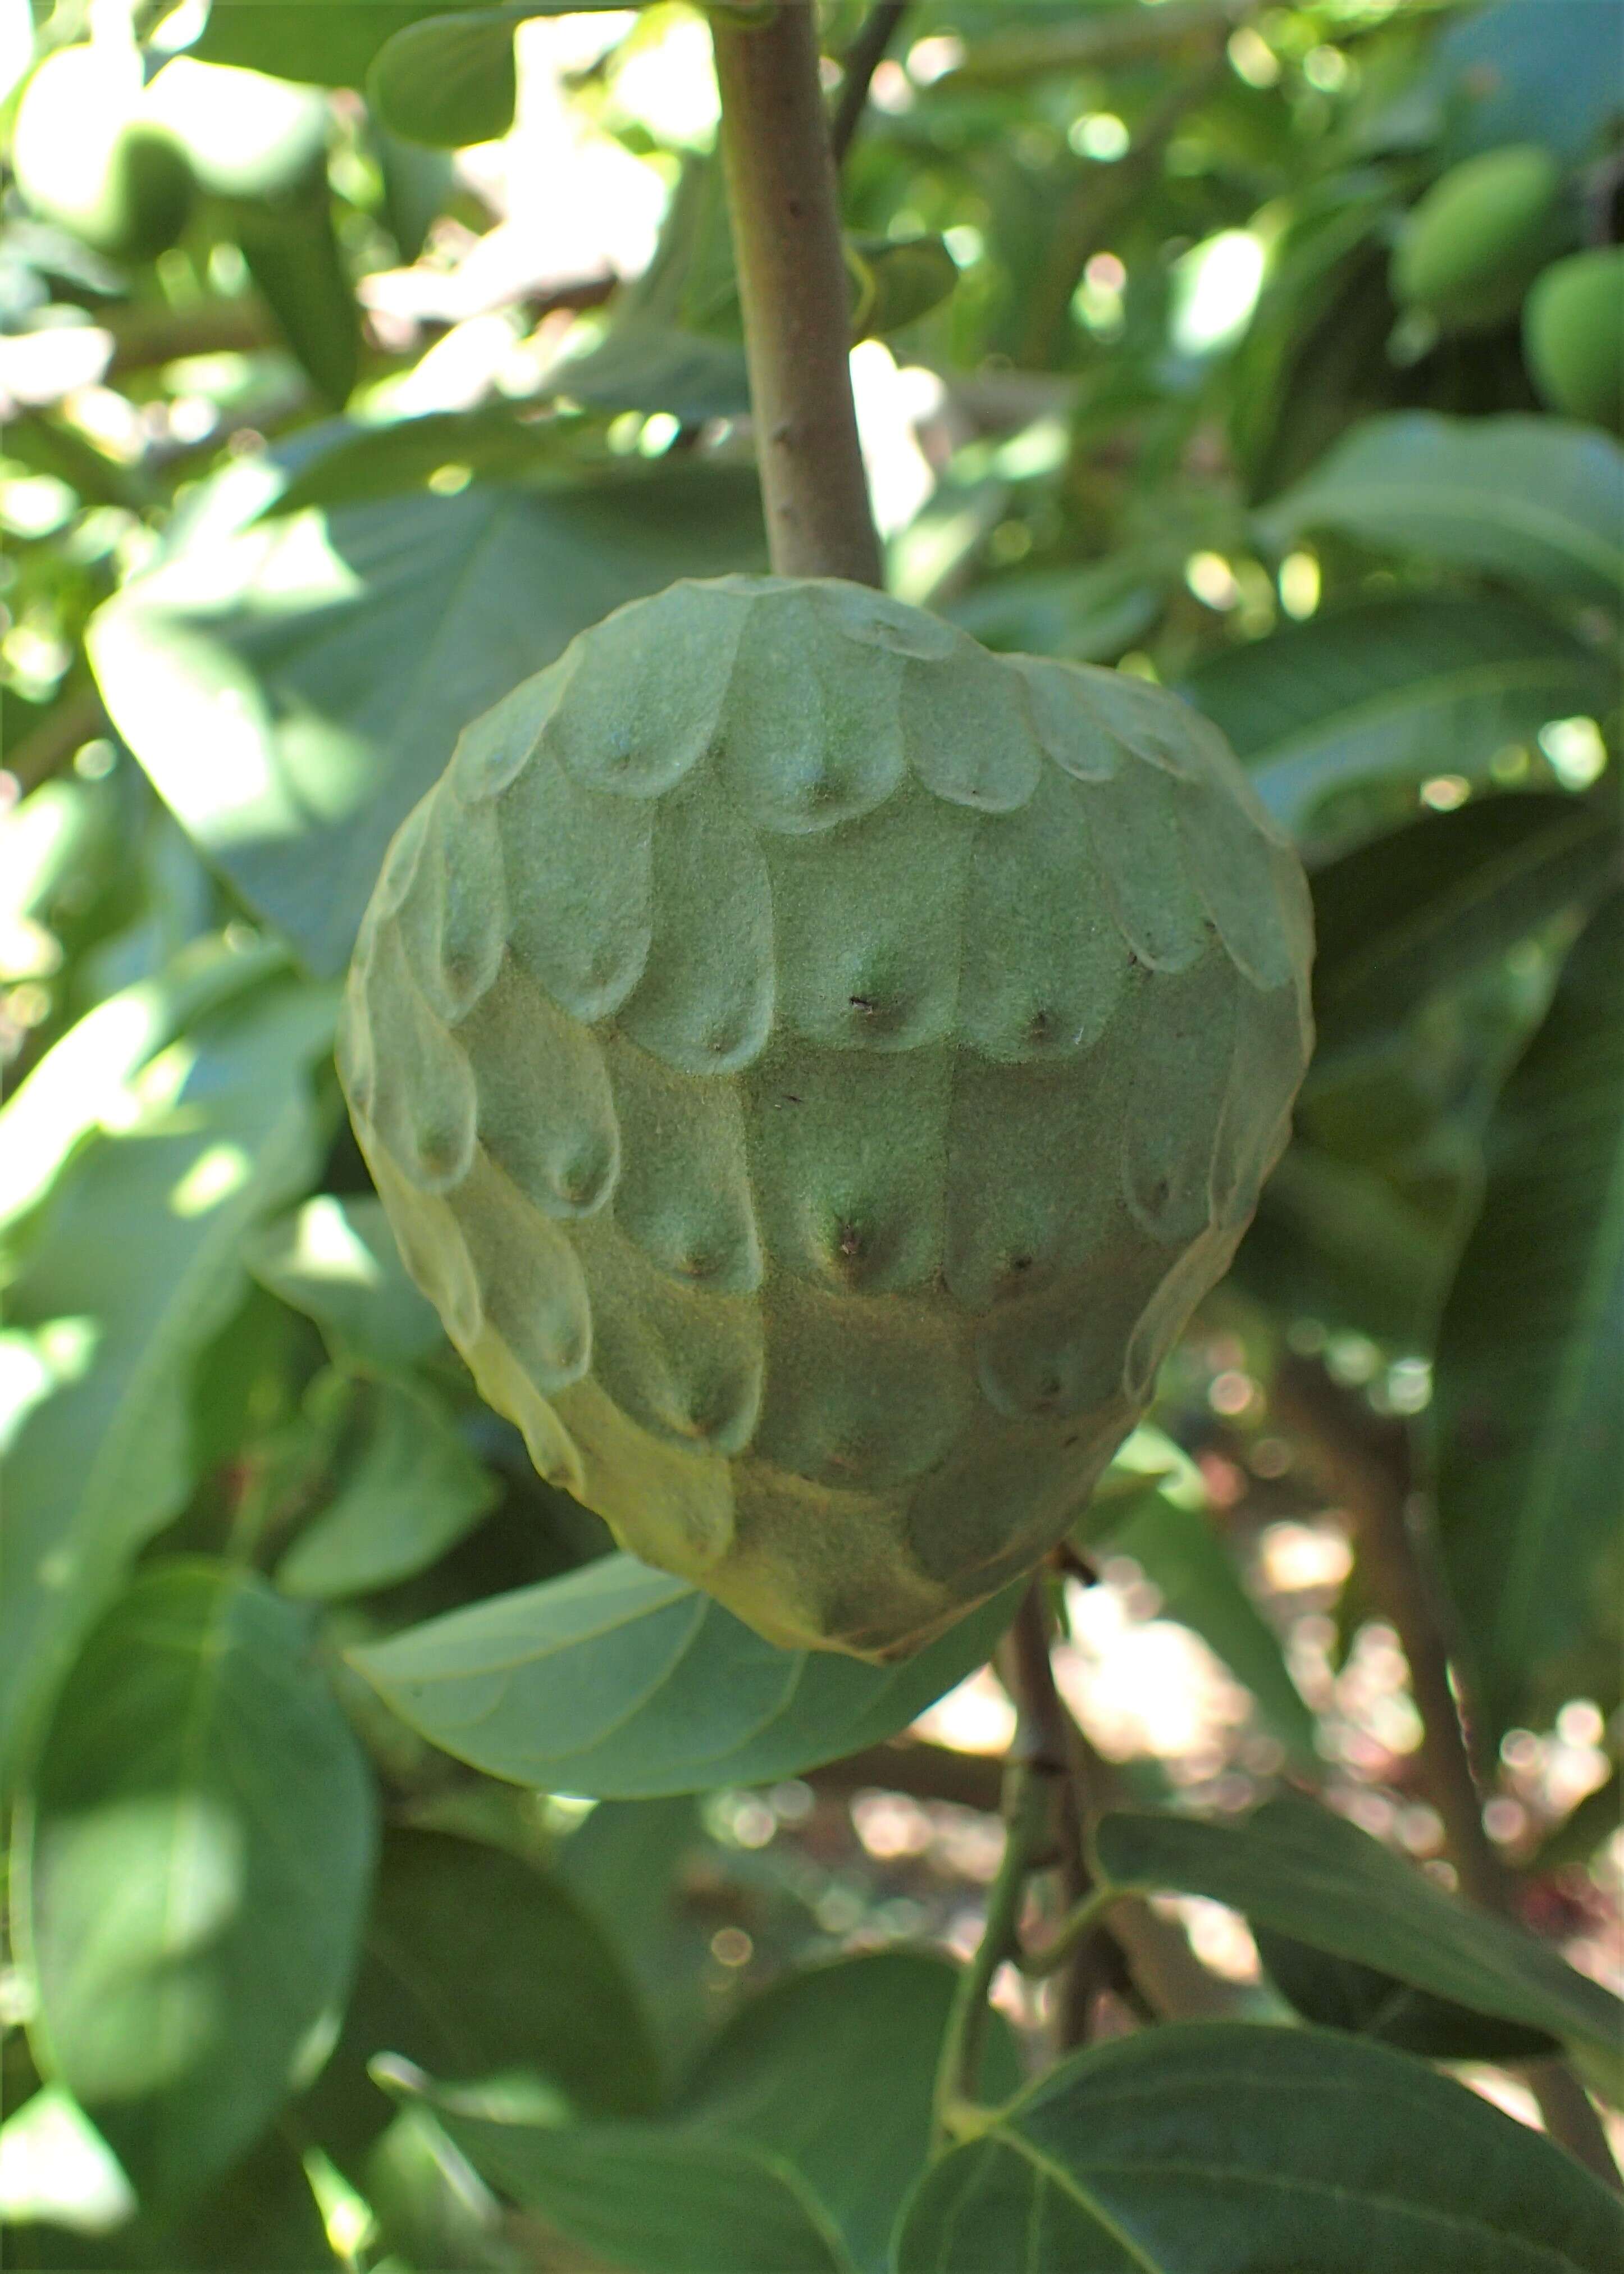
{"points": [[815, 1066]]}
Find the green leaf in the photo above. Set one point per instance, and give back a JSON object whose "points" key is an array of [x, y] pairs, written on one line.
{"points": [[1528, 1421], [1394, 922], [430, 2206], [649, 2198], [139, 1267], [1087, 615], [831, 2071], [476, 1962], [193, 1872], [82, 1082], [1299, 1869], [628, 1863], [295, 258], [294, 688], [331, 43], [499, 441], [1341, 1995], [1537, 501], [449, 81], [622, 1682], [903, 278], [414, 1491], [1339, 720], [334, 1259], [1225, 2145], [1180, 1554]]}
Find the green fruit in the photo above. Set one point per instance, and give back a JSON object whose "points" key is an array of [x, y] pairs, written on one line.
{"points": [[1474, 242], [88, 156], [1572, 336], [815, 1066], [246, 135]]}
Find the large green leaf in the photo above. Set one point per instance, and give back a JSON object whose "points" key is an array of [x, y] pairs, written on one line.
{"points": [[479, 1965], [328, 42], [1342, 719], [293, 688], [414, 1488], [631, 1862], [1224, 2148], [1528, 1413], [336, 1259], [193, 1872], [1183, 1557], [1296, 1868], [622, 1682], [1393, 922], [652, 2199], [831, 2069], [1537, 502], [138, 1268]]}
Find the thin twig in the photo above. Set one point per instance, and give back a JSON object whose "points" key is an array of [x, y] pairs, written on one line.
{"points": [[1025, 1818], [781, 195], [858, 65], [1366, 1464]]}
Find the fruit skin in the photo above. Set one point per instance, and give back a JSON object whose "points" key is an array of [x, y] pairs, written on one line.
{"points": [[815, 1066], [1474, 242], [88, 156], [1572, 336]]}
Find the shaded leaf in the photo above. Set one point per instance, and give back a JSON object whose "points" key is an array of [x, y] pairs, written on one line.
{"points": [[1528, 1421], [294, 256], [336, 1259], [414, 1489], [831, 2069], [497, 442], [1211, 2147], [479, 1963], [139, 1268], [1394, 922], [1341, 1995], [194, 1874], [647, 2197], [330, 41], [431, 2206], [1339, 720], [620, 1680], [293, 689], [1302, 1871], [1537, 501], [628, 1865]]}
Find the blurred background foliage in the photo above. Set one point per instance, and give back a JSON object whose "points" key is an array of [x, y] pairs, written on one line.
{"points": [[355, 357]]}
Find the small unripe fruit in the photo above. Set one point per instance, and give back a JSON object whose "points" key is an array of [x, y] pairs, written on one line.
{"points": [[88, 156], [815, 1066], [1572, 336], [1472, 245]]}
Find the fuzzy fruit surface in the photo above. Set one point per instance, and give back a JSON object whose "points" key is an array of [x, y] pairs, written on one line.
{"points": [[815, 1066], [1471, 247], [1572, 336]]}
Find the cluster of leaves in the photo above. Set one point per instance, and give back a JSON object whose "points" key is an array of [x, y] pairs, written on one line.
{"points": [[286, 1614]]}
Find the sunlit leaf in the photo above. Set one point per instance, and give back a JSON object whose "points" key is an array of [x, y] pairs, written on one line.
{"points": [[336, 1259], [141, 1266], [194, 1869], [293, 689], [1222, 2144], [621, 1682], [448, 81]]}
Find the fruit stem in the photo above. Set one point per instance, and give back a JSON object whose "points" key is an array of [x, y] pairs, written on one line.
{"points": [[793, 288]]}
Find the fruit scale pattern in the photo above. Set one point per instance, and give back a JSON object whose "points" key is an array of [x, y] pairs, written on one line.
{"points": [[815, 1066]]}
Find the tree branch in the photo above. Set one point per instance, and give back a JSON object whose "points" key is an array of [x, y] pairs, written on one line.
{"points": [[1366, 1464], [792, 290], [859, 64]]}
